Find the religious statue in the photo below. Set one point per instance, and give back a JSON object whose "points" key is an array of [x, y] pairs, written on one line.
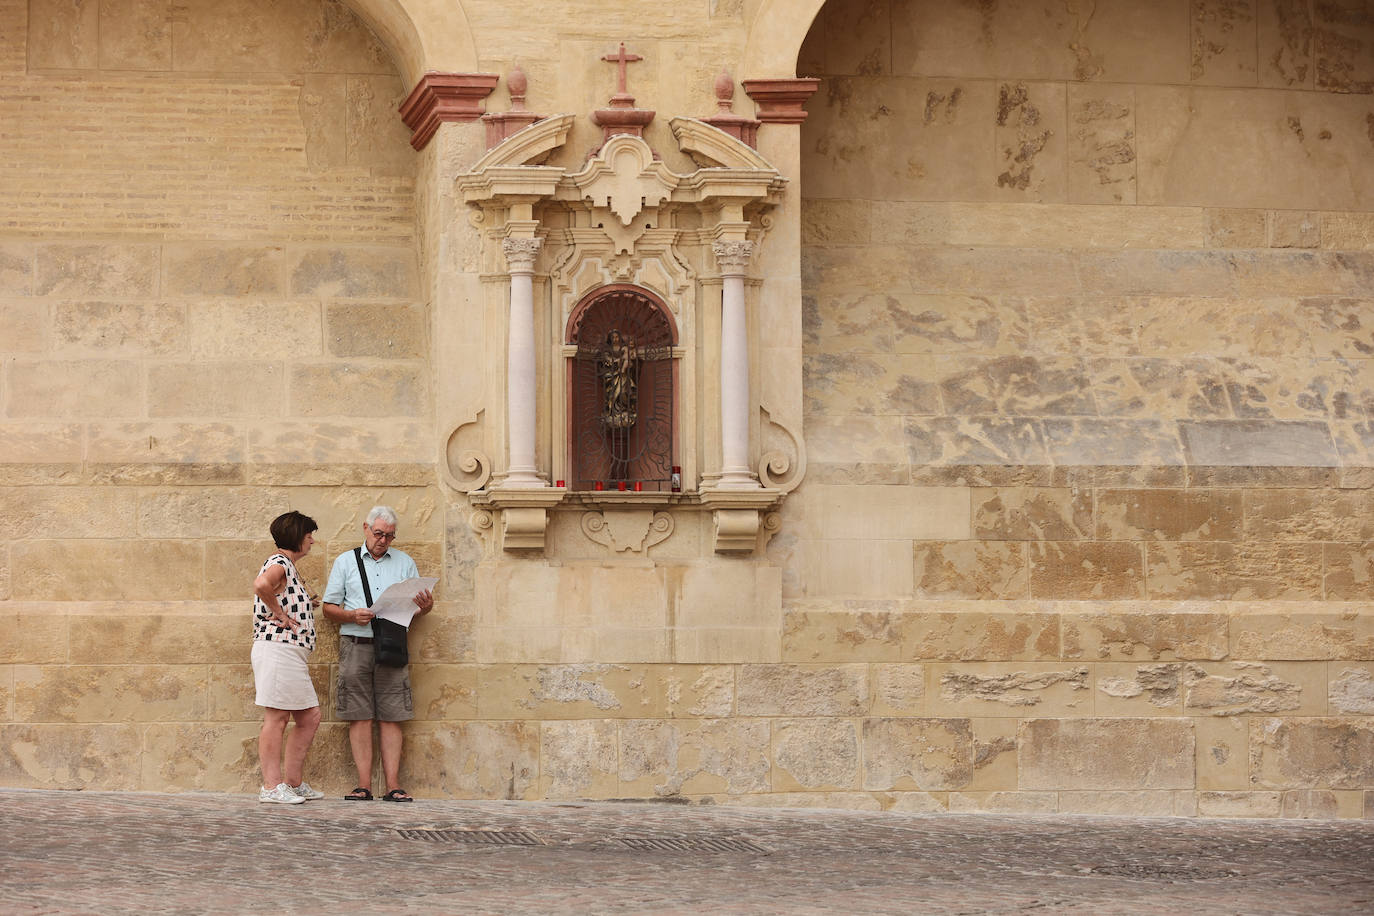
{"points": [[619, 372]]}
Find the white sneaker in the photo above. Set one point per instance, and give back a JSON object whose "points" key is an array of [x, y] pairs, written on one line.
{"points": [[281, 795], [305, 792]]}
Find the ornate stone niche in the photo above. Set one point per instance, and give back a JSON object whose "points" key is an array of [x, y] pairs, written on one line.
{"points": [[621, 262]]}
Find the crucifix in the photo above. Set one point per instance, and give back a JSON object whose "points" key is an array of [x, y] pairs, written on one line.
{"points": [[621, 59]]}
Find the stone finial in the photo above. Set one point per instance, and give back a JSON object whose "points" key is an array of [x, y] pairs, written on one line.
{"points": [[501, 125], [622, 117], [746, 130], [517, 83]]}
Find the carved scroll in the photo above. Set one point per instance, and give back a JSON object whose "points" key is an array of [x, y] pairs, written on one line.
{"points": [[783, 467], [465, 469]]}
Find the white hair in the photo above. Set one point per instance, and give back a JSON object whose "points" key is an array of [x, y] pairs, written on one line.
{"points": [[385, 513]]}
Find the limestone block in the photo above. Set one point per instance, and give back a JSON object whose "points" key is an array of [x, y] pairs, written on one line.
{"points": [[1258, 443], [970, 569], [216, 389], [1309, 515], [898, 690], [1094, 443], [134, 634], [1026, 39], [75, 570], [1123, 633], [582, 691], [210, 37], [868, 383], [444, 692], [231, 565], [475, 759], [1338, 327], [841, 632], [672, 757], [855, 40], [4, 574], [1106, 754], [231, 693], [1004, 802], [1169, 515], [994, 755], [1015, 386], [1031, 513], [1233, 228], [16, 268], [835, 222], [917, 753], [108, 271], [1239, 804], [163, 453], [970, 632], [353, 273], [1159, 387], [64, 35], [697, 691], [1086, 569], [444, 635], [1249, 688], [1294, 229], [1234, 571], [1311, 803], [1001, 689], [324, 115], [1292, 389], [859, 569], [812, 754], [125, 693], [802, 690], [1125, 803], [71, 512], [1285, 45], [71, 389], [389, 331], [237, 271], [39, 635], [1351, 689], [1137, 690], [375, 138], [1347, 231], [1223, 44], [978, 441], [357, 452], [1299, 632], [1223, 326], [1030, 139], [1316, 753], [1101, 144], [6, 694], [135, 35], [253, 330], [1341, 48], [209, 512], [206, 758], [23, 327], [860, 512], [119, 328], [351, 389], [59, 756], [1222, 753], [578, 759], [1157, 273]]}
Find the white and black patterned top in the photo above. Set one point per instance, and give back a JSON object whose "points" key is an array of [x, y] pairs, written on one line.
{"points": [[294, 600]]}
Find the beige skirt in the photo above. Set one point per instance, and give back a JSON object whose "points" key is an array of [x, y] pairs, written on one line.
{"points": [[281, 676]]}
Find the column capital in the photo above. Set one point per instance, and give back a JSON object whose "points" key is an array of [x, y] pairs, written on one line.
{"points": [[520, 253], [733, 256], [440, 97]]}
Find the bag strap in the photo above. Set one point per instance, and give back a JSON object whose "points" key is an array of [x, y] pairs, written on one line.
{"points": [[362, 574]]}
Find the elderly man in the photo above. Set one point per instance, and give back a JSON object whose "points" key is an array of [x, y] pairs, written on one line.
{"points": [[367, 690]]}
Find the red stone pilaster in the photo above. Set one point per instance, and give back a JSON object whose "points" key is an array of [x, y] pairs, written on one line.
{"points": [[440, 97]]}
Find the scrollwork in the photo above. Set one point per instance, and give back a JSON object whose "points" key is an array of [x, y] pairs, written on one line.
{"points": [[465, 469], [481, 521], [777, 468]]}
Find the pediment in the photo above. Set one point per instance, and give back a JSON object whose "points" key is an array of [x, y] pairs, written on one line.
{"points": [[625, 178]]}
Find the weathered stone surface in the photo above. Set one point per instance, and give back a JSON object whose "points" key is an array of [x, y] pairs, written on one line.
{"points": [[212, 757], [1305, 632], [1016, 386], [475, 759], [1236, 228], [876, 384], [72, 389], [1245, 688], [312, 37], [812, 754], [970, 569], [899, 690], [1339, 327], [1030, 142], [1127, 632], [352, 390], [127, 693], [230, 270], [77, 570], [920, 753], [52, 756], [1135, 443], [1101, 144], [1032, 513], [1169, 515], [165, 452], [135, 35], [1239, 804], [1086, 569], [803, 690], [71, 512], [669, 757], [578, 759], [569, 692], [999, 689], [352, 273], [64, 36], [1309, 515], [96, 271], [253, 330], [1351, 690], [1223, 43], [1125, 803], [138, 634], [39, 635], [1326, 753], [209, 512], [1128, 754], [1159, 387], [16, 268], [119, 328], [216, 389], [1234, 571], [391, 331], [1151, 689], [1294, 229], [973, 634], [1223, 760], [854, 631], [995, 441]]}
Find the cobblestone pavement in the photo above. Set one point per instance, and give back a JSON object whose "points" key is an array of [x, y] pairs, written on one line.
{"points": [[67, 852]]}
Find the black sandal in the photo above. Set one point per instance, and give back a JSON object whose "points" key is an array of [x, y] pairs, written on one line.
{"points": [[359, 794], [397, 795]]}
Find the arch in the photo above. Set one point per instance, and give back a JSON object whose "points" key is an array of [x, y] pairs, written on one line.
{"points": [[422, 35], [776, 36]]}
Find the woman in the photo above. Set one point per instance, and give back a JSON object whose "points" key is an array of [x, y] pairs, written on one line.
{"points": [[283, 638]]}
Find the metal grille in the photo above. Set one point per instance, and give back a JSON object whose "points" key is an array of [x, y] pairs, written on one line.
{"points": [[690, 844], [477, 837], [624, 341]]}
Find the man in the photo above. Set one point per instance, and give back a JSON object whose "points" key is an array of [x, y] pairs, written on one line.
{"points": [[366, 690]]}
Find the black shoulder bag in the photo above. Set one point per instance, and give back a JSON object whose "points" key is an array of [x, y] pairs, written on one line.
{"points": [[388, 636]]}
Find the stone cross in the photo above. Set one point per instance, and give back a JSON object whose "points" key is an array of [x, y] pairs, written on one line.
{"points": [[622, 59]]}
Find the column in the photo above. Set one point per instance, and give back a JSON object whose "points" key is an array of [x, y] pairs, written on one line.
{"points": [[520, 381], [733, 258]]}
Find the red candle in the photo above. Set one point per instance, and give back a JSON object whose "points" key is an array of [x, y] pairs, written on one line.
{"points": [[639, 485], [599, 486], [559, 484], [620, 485]]}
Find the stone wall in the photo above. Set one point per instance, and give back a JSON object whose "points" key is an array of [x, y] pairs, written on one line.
{"points": [[1089, 304]]}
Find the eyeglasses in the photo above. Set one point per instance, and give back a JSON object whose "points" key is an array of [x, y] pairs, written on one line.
{"points": [[382, 535]]}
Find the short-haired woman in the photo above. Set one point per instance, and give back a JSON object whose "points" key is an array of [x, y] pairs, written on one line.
{"points": [[283, 638]]}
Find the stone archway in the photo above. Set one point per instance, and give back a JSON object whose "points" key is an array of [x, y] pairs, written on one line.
{"points": [[776, 36], [422, 35]]}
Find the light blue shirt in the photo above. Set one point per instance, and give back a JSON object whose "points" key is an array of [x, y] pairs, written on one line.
{"points": [[346, 590]]}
